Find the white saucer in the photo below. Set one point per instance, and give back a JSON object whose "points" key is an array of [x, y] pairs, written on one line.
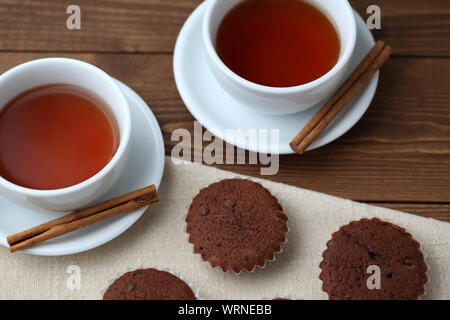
{"points": [[144, 167], [217, 111]]}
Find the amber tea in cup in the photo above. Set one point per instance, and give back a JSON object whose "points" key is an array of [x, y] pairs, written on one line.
{"points": [[55, 136], [277, 43]]}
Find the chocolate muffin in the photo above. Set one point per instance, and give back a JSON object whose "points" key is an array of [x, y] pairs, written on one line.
{"points": [[148, 284], [236, 224], [360, 244]]}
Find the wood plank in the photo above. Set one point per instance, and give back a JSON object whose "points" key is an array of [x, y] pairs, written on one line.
{"points": [[106, 25], [398, 152], [435, 211], [411, 27]]}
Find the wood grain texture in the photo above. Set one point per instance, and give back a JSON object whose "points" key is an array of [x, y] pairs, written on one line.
{"points": [[435, 211], [413, 28], [106, 25], [399, 151]]}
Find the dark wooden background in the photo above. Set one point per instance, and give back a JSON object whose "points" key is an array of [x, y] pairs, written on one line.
{"points": [[397, 156]]}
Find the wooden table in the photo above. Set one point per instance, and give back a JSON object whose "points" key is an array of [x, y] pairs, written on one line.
{"points": [[397, 156]]}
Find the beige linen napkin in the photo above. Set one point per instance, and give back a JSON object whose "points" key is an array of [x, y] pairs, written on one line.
{"points": [[159, 240]]}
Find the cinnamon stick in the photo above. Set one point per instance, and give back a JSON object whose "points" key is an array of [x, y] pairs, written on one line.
{"points": [[78, 219], [373, 61]]}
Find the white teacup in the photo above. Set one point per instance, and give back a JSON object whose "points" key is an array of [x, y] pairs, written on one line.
{"points": [[275, 100], [69, 71]]}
